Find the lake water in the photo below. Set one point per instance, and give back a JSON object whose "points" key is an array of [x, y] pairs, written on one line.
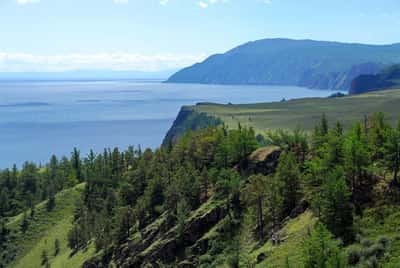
{"points": [[38, 119]]}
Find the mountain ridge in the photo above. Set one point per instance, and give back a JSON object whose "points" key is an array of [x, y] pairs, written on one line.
{"points": [[280, 61]]}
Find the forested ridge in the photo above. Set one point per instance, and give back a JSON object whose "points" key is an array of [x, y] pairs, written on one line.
{"points": [[222, 197]]}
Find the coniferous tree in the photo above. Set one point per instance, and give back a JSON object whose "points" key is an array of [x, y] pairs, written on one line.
{"points": [[77, 165], [255, 194], [288, 177], [4, 202], [204, 183], [126, 222], [391, 151], [357, 158], [25, 223], [181, 215], [51, 202], [320, 250], [336, 206]]}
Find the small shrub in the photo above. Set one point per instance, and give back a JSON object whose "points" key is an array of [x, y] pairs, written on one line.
{"points": [[375, 250], [384, 241], [217, 246], [233, 261], [354, 255], [366, 243], [372, 262], [205, 260]]}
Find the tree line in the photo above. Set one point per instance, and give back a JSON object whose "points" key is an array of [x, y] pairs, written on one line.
{"points": [[333, 171]]}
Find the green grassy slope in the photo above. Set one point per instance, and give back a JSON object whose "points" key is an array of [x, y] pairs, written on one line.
{"points": [[305, 112], [294, 233], [44, 229]]}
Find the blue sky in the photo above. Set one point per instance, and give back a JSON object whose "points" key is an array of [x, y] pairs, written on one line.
{"points": [[56, 35]]}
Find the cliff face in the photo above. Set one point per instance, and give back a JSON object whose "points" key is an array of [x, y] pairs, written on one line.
{"points": [[313, 64], [188, 119], [387, 78]]}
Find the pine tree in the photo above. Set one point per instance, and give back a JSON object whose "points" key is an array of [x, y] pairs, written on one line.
{"points": [[288, 177], [25, 223], [51, 202], [392, 152], [77, 165], [126, 222], [181, 215], [320, 250], [4, 202], [255, 193], [336, 207], [357, 158], [204, 183]]}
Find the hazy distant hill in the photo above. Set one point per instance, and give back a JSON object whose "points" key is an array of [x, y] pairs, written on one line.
{"points": [[314, 64], [387, 78]]}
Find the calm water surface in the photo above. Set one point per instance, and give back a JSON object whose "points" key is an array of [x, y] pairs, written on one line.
{"points": [[38, 119]]}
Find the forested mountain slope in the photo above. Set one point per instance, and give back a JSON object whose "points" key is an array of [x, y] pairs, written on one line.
{"points": [[308, 63], [218, 196], [39, 236]]}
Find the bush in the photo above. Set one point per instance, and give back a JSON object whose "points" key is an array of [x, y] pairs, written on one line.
{"points": [[217, 246], [366, 243], [384, 241], [372, 263], [377, 250], [354, 255], [205, 260], [233, 261]]}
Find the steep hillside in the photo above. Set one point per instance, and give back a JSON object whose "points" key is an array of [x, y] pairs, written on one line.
{"points": [[302, 113], [313, 64], [44, 228], [387, 78]]}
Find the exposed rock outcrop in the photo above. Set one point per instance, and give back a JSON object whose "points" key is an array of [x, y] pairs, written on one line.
{"points": [[264, 160], [160, 242]]}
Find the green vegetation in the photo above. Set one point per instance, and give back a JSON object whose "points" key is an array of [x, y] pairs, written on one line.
{"points": [[305, 113], [216, 197], [45, 239]]}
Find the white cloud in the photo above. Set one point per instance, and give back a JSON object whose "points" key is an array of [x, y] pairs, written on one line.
{"points": [[25, 62], [164, 2], [118, 2], [207, 3], [203, 4], [25, 2]]}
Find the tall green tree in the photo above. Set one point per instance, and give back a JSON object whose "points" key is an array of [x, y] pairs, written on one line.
{"points": [[391, 151], [288, 177], [357, 158], [255, 193], [336, 206], [77, 164], [320, 250]]}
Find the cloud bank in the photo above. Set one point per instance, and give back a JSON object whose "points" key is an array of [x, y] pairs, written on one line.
{"points": [[26, 2], [25, 62]]}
